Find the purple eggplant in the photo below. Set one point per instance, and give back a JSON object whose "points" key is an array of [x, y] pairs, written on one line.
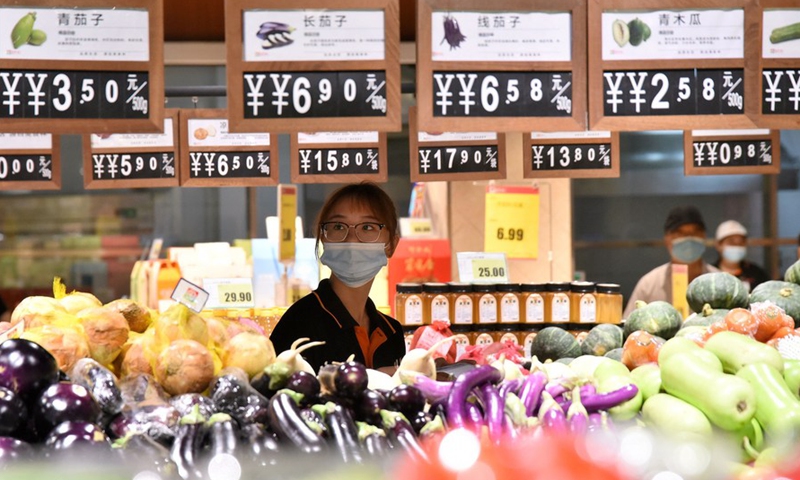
{"points": [[285, 420], [157, 421], [138, 450], [474, 415], [222, 435], [304, 383], [605, 401], [598, 421], [368, 407], [26, 368], [343, 433], [577, 417], [434, 427], [12, 450], [185, 403], [418, 420], [266, 385], [495, 412], [401, 435], [531, 391], [69, 436], [187, 447], [232, 394], [510, 386], [260, 446], [315, 418], [350, 380], [456, 401], [65, 401], [373, 440], [552, 416], [142, 389], [100, 382], [406, 399], [432, 390], [13, 413]]}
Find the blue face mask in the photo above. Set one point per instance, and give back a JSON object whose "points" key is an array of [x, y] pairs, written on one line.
{"points": [[354, 264], [734, 253], [688, 249]]}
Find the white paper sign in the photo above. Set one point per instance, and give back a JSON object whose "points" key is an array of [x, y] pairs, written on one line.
{"points": [[26, 141], [760, 132], [337, 137], [482, 267], [673, 34], [426, 137], [190, 295], [125, 140], [775, 43], [312, 35], [213, 132], [501, 36], [75, 34], [599, 134]]}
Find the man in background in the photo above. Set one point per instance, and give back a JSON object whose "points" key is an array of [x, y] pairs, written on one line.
{"points": [[731, 243]]}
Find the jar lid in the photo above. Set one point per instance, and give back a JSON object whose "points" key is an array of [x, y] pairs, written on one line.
{"points": [[608, 288], [483, 287], [533, 287], [486, 329], [435, 287], [408, 288], [558, 287], [507, 287], [460, 287], [582, 287], [460, 328]]}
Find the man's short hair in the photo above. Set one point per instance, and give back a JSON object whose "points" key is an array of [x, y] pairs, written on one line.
{"points": [[684, 215]]}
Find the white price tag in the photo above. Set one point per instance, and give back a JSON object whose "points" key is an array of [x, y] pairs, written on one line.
{"points": [[190, 295], [482, 267]]}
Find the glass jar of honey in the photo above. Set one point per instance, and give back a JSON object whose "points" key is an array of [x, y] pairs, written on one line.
{"points": [[582, 303], [527, 342], [487, 303], [485, 336], [609, 303], [462, 340], [507, 295], [408, 304], [435, 304], [508, 334], [532, 303], [462, 303], [556, 303]]}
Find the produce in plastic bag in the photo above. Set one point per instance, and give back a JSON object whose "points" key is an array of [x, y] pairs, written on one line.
{"points": [[66, 344], [180, 323], [185, 366], [138, 317], [106, 331], [251, 352]]}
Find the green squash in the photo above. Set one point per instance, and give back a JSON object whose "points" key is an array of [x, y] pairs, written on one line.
{"points": [[658, 318], [705, 317], [615, 354], [552, 343], [792, 274], [718, 289], [601, 339], [784, 294]]}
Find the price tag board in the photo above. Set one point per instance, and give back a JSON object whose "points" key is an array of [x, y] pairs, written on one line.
{"points": [[211, 156], [133, 160], [313, 65], [720, 152], [450, 156], [191, 295], [229, 292], [512, 64], [30, 161], [779, 92], [593, 154], [339, 157], [82, 66], [482, 267], [512, 221], [287, 212], [657, 65]]}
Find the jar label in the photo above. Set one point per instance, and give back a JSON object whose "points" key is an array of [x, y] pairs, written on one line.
{"points": [[462, 342], [463, 310], [560, 308], [440, 308], [534, 309], [528, 342], [509, 308], [588, 308], [487, 309], [509, 337], [484, 339], [413, 310]]}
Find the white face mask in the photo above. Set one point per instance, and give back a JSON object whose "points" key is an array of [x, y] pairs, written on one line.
{"points": [[734, 253], [356, 263]]}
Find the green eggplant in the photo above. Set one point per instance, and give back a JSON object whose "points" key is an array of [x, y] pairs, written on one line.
{"points": [[676, 417], [778, 410], [791, 374], [735, 351], [648, 379], [684, 345]]}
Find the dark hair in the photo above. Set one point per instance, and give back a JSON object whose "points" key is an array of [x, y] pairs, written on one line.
{"points": [[680, 216], [365, 194]]}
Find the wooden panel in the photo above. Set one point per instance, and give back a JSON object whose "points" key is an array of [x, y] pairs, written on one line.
{"points": [[194, 21]]}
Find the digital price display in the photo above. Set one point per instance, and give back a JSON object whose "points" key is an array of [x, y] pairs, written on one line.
{"points": [[133, 160], [720, 152], [335, 157], [30, 161], [644, 64], [451, 156], [518, 68], [593, 154], [211, 156], [313, 68], [79, 66]]}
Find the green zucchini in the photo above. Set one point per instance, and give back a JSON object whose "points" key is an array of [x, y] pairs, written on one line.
{"points": [[786, 33]]}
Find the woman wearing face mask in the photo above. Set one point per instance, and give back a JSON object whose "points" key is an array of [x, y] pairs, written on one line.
{"points": [[684, 237], [732, 247], [358, 229]]}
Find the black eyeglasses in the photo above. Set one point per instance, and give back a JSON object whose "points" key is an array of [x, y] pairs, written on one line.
{"points": [[367, 232]]}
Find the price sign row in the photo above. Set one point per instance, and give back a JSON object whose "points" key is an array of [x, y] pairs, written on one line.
{"points": [[458, 159], [314, 94], [780, 91], [229, 164], [673, 92], [56, 94], [126, 166], [349, 161], [26, 168], [571, 157], [732, 153], [502, 94]]}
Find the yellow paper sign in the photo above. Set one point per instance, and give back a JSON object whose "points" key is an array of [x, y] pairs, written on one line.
{"points": [[680, 282], [236, 295], [287, 211], [512, 221]]}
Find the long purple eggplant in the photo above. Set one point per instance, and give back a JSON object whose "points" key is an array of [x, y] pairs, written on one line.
{"points": [[456, 401], [512, 386], [551, 415], [605, 401], [432, 390], [495, 414], [285, 420], [531, 391], [565, 400], [474, 416], [373, 440], [577, 417], [402, 435]]}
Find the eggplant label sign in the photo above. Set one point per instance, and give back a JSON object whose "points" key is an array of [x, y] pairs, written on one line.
{"points": [[336, 157], [29, 161], [593, 154], [779, 72], [715, 152]]}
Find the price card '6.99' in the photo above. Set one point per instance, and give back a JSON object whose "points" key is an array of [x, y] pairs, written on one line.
{"points": [[512, 221]]}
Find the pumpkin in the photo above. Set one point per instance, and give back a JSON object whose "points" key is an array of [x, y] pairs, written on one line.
{"points": [[553, 343], [601, 339], [705, 317], [792, 274], [615, 354], [658, 318], [784, 294], [718, 289]]}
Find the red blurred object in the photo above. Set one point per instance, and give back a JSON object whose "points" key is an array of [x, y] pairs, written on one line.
{"points": [[418, 261], [486, 354], [426, 336]]}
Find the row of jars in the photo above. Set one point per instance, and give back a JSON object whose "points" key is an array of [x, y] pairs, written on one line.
{"points": [[508, 303]]}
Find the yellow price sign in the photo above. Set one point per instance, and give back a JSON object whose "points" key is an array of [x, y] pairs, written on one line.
{"points": [[680, 283], [421, 226], [287, 211], [512, 221], [235, 294]]}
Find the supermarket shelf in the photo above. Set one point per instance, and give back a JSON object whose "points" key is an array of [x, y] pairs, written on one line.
{"points": [[72, 253]]}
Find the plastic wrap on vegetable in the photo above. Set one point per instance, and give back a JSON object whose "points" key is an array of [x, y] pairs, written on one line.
{"points": [[452, 32], [100, 382]]}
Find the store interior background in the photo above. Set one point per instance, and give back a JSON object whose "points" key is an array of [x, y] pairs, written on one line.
{"points": [[616, 223]]}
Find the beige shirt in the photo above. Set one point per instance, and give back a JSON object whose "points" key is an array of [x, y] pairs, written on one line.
{"points": [[656, 285]]}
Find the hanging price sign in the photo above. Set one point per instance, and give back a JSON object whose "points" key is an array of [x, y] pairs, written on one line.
{"points": [[30, 161], [338, 157], [287, 212], [653, 69], [80, 66], [211, 156], [720, 152], [482, 267], [593, 154], [512, 221], [780, 53], [330, 65], [133, 160]]}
